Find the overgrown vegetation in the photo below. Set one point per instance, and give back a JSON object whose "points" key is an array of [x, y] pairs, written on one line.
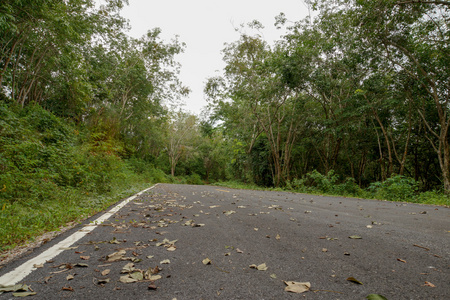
{"points": [[50, 175], [359, 92], [396, 188]]}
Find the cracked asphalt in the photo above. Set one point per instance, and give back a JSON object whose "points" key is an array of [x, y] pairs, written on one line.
{"points": [[397, 250]]}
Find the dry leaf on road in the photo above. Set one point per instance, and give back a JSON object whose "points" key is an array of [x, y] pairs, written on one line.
{"points": [[261, 267], [116, 256], [297, 287], [355, 237], [105, 272], [354, 280], [427, 283], [127, 279]]}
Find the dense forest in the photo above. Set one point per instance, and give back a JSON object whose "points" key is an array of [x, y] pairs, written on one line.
{"points": [[353, 100], [361, 92]]}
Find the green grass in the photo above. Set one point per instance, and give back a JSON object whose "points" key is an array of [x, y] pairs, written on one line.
{"points": [[238, 185], [22, 221]]}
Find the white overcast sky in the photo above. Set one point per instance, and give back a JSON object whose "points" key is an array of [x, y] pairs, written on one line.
{"points": [[205, 25]]}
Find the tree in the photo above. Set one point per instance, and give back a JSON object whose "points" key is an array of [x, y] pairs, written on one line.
{"points": [[182, 137], [414, 37]]}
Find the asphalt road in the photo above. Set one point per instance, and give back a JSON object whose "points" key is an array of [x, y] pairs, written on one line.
{"points": [[397, 250]]}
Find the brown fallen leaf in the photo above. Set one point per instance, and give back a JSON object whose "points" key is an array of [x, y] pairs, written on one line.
{"points": [[37, 266], [137, 275], [128, 268], [114, 241], [105, 272], [354, 280], [116, 256], [127, 279], [154, 277], [103, 281], [297, 287], [70, 277], [206, 261], [427, 283], [80, 265], [402, 260], [14, 288], [239, 251], [69, 288], [152, 286], [85, 257]]}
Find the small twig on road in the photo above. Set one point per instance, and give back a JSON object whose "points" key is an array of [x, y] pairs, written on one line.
{"points": [[219, 268], [421, 247]]}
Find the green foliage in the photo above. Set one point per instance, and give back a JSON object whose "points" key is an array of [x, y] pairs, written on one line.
{"points": [[147, 170], [49, 177], [396, 188], [360, 89], [194, 179], [315, 182]]}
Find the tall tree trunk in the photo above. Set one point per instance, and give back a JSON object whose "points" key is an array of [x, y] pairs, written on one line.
{"points": [[386, 139]]}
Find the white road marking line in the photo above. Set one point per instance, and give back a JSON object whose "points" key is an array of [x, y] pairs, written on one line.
{"points": [[18, 274]]}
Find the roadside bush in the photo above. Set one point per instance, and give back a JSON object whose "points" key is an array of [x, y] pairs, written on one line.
{"points": [[395, 188], [194, 179], [314, 182], [156, 175], [348, 188], [138, 165]]}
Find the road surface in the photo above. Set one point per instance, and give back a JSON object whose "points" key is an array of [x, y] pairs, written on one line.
{"points": [[205, 242]]}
